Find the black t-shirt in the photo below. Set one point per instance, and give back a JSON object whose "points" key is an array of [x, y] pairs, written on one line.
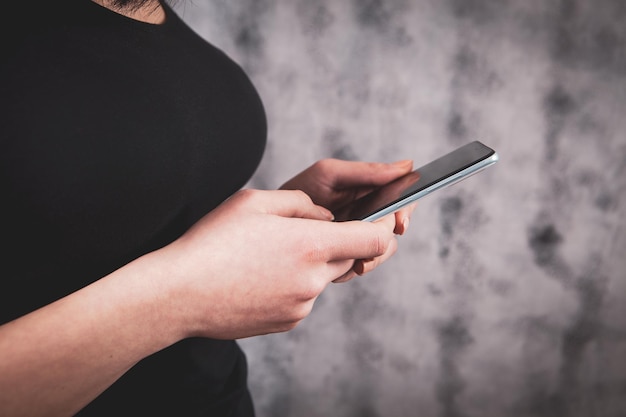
{"points": [[115, 137]]}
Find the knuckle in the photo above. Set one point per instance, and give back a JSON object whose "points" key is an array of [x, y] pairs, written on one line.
{"points": [[314, 253], [393, 246], [310, 291], [298, 313], [379, 245], [303, 311], [375, 166], [247, 194], [302, 196], [324, 164], [290, 325]]}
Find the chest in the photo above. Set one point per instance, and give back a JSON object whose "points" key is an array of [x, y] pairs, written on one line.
{"points": [[102, 152]]}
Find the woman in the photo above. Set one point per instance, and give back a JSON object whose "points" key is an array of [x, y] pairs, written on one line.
{"points": [[132, 262]]}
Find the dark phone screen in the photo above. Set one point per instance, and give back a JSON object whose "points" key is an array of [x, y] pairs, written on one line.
{"points": [[414, 182]]}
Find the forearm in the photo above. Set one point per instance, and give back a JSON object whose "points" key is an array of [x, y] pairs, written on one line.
{"points": [[225, 278], [57, 359]]}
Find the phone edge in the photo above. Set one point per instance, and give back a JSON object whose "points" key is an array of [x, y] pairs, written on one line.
{"points": [[446, 182]]}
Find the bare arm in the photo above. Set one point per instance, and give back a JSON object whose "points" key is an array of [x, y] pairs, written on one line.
{"points": [[58, 358], [254, 265]]}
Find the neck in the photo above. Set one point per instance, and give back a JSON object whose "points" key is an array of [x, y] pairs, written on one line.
{"points": [[149, 11]]}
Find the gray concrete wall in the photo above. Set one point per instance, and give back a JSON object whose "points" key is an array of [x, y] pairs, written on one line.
{"points": [[508, 295]]}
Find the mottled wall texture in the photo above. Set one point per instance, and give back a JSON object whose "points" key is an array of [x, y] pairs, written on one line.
{"points": [[508, 295]]}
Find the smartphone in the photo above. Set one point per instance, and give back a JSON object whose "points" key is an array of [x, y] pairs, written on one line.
{"points": [[442, 172]]}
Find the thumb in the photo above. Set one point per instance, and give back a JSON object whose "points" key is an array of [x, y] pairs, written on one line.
{"points": [[355, 239], [370, 173], [292, 203]]}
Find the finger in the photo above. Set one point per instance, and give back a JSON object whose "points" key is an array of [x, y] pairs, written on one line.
{"points": [[403, 218], [363, 174], [342, 270], [363, 266], [290, 203], [388, 221], [345, 277], [353, 239], [359, 265]]}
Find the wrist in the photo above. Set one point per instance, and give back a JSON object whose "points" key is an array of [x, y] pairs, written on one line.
{"points": [[141, 305], [162, 295]]}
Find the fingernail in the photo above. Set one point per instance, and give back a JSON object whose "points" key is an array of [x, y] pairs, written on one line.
{"points": [[358, 267]]}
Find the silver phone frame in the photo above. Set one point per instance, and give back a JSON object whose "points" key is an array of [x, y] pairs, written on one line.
{"points": [[446, 182]]}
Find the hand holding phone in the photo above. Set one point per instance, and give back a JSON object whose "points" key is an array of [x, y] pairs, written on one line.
{"points": [[442, 172]]}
